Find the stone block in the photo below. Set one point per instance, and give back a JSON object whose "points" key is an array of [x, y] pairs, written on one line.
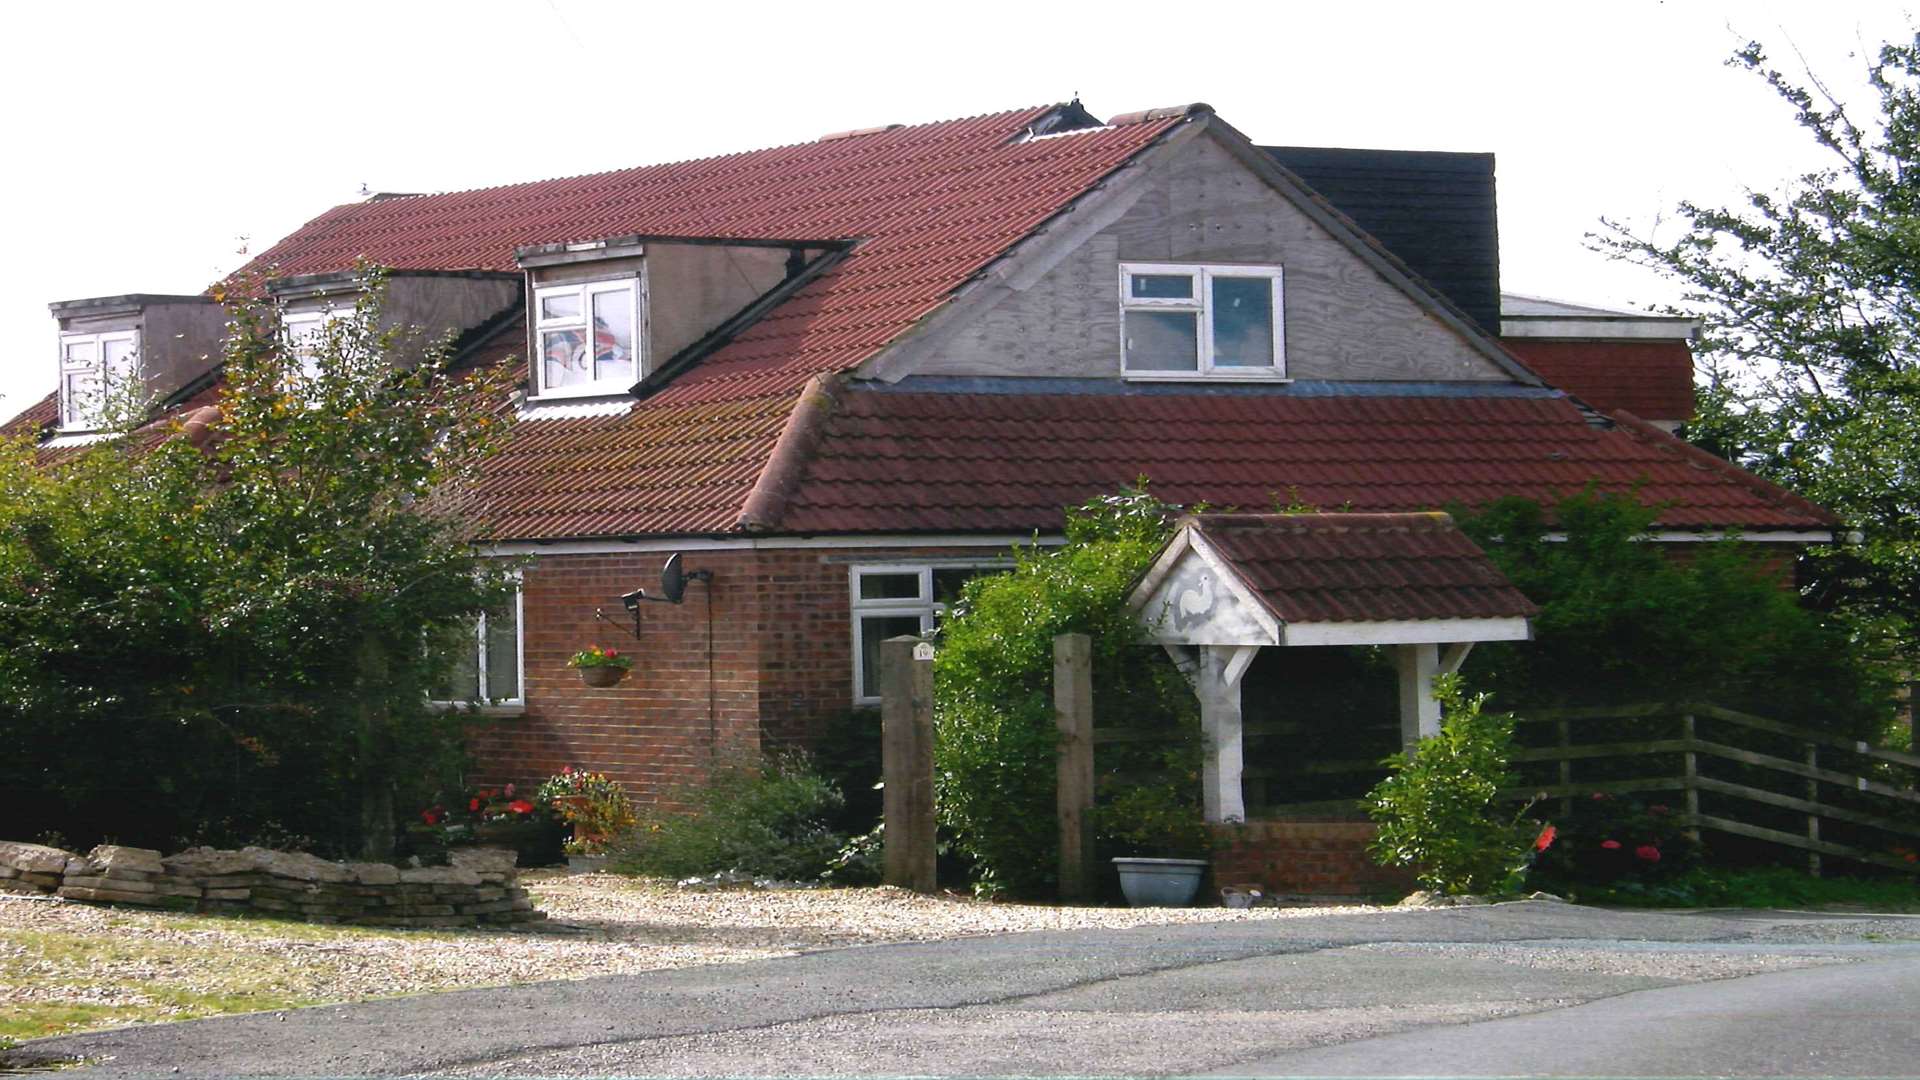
{"points": [[45, 881], [439, 875], [227, 894], [115, 873], [484, 860], [297, 864], [107, 896], [177, 888], [21, 888], [33, 858], [374, 873], [489, 907], [485, 893], [269, 904], [81, 881], [211, 862], [116, 857]]}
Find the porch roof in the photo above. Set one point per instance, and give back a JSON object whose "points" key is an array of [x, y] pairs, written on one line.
{"points": [[1327, 579]]}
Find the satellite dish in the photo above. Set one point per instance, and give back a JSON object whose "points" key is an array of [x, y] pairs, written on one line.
{"points": [[673, 582]]}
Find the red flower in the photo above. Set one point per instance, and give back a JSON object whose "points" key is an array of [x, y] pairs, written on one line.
{"points": [[1647, 853], [566, 769], [1911, 857], [1610, 845], [1600, 796], [1545, 839], [431, 815], [520, 806], [1656, 809], [474, 805]]}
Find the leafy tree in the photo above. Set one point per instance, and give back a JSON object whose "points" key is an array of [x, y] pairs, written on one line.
{"points": [[1626, 620], [994, 732], [223, 638], [1812, 353]]}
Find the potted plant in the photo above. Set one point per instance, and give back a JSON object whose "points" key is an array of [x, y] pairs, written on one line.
{"points": [[1163, 840], [600, 667], [596, 808], [487, 817]]}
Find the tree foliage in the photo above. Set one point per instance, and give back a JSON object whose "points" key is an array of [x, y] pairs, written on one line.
{"points": [[1623, 620], [219, 641], [1812, 352], [994, 730]]}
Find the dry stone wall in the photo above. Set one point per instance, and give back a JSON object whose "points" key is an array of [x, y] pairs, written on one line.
{"points": [[480, 887]]}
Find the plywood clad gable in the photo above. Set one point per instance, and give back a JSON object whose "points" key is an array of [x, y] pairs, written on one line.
{"points": [[1198, 204]]}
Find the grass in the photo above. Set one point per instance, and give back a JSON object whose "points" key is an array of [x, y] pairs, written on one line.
{"points": [[63, 982]]}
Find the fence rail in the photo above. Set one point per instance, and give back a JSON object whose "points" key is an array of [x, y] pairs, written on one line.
{"points": [[1882, 799]]}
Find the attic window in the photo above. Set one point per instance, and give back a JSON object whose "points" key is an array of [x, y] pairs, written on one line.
{"points": [[1185, 321], [303, 330], [90, 366], [584, 336]]}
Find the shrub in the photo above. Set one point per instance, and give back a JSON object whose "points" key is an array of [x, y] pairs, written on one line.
{"points": [[994, 733], [1611, 842], [765, 816], [1436, 813], [594, 807]]}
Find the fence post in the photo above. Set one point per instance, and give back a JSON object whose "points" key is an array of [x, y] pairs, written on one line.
{"points": [[1566, 768], [1073, 715], [1692, 792], [1813, 820], [906, 761]]}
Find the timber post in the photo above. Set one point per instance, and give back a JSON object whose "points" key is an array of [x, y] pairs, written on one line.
{"points": [[906, 761], [1073, 716]]}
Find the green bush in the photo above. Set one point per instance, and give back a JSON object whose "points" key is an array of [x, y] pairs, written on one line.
{"points": [[768, 817], [994, 732], [1437, 814]]}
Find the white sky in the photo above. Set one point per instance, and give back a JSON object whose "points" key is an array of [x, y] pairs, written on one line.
{"points": [[153, 143]]}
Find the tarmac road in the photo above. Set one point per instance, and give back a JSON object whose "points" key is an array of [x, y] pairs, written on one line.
{"points": [[1397, 992]]}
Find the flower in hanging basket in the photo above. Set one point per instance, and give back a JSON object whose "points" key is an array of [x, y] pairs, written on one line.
{"points": [[594, 656]]}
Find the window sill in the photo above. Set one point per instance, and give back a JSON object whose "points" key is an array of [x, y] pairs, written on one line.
{"points": [[512, 711], [1206, 377]]}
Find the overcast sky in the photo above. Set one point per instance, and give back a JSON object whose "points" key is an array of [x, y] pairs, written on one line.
{"points": [[155, 144]]}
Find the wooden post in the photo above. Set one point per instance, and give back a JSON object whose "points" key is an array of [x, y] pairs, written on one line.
{"points": [[906, 760], [1566, 768], [1692, 792], [1813, 820], [1073, 715], [1419, 712]]}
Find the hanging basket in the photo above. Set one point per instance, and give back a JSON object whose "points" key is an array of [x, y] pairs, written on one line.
{"points": [[603, 675]]}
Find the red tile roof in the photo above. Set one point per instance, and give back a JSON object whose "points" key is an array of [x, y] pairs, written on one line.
{"points": [[891, 461], [1651, 379], [1316, 568], [931, 204], [35, 417]]}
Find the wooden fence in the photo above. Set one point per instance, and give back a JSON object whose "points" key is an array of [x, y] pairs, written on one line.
{"points": [[1832, 784]]}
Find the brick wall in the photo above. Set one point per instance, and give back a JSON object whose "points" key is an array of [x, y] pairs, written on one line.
{"points": [[1310, 857], [782, 664]]}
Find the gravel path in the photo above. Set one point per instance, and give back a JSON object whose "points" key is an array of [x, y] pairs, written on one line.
{"points": [[599, 924]]}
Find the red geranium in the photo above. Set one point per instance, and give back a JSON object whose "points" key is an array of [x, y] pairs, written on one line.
{"points": [[432, 814], [1545, 839], [520, 806], [473, 805], [1610, 845], [1647, 853]]}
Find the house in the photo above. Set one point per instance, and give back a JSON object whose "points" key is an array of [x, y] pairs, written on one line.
{"points": [[840, 377]]}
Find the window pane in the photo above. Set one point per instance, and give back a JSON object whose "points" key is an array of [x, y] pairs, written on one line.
{"points": [[1242, 322], [563, 359], [1162, 286], [463, 680], [560, 306], [947, 582], [119, 355], [1163, 341], [503, 654], [613, 335], [890, 587], [875, 629], [82, 353], [81, 397]]}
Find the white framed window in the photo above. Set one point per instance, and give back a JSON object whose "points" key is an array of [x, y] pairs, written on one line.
{"points": [[585, 338], [488, 660], [892, 599], [91, 366], [301, 329], [1185, 321]]}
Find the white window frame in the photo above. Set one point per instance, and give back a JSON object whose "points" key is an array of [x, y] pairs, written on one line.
{"points": [[293, 322], [586, 291], [71, 418], [479, 645], [924, 604], [1201, 304]]}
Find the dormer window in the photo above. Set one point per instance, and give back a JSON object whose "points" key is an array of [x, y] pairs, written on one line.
{"points": [[584, 335], [1181, 321], [302, 330], [91, 365]]}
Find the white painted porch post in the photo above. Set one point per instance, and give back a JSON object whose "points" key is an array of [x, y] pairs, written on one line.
{"points": [[1217, 682], [1419, 712]]}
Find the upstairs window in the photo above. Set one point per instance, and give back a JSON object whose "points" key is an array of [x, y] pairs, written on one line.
{"points": [[91, 365], [302, 330], [584, 335], [1216, 322]]}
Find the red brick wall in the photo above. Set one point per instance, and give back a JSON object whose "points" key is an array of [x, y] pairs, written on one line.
{"points": [[782, 663], [1310, 857]]}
